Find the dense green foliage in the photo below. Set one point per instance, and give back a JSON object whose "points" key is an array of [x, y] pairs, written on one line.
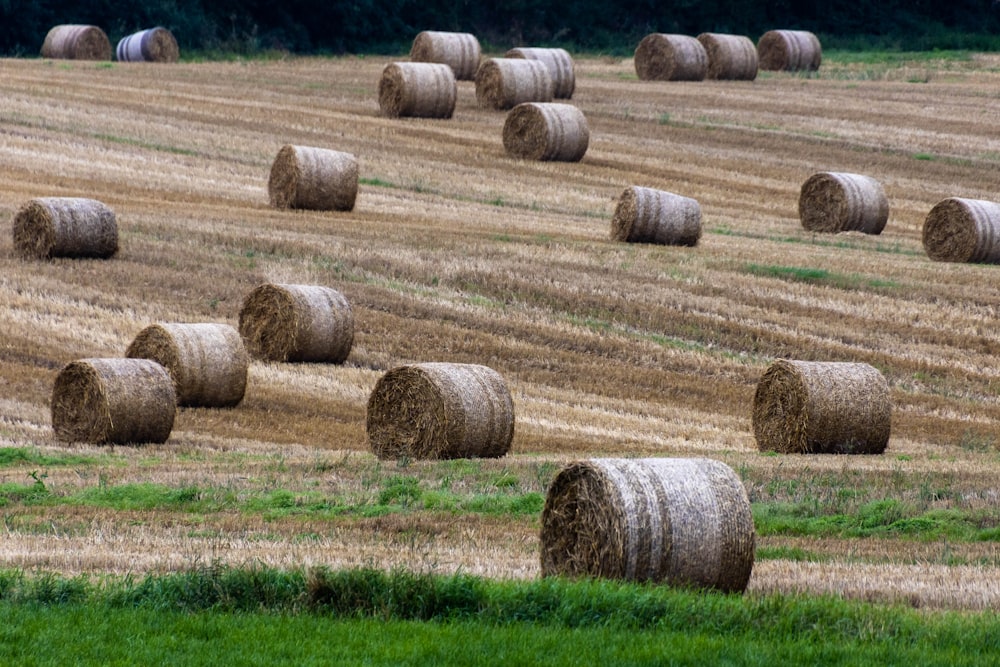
{"points": [[307, 26], [267, 617]]}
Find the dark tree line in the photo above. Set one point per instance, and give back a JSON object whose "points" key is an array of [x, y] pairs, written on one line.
{"points": [[388, 26]]}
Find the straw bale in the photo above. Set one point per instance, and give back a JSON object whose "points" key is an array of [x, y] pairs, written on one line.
{"points": [[546, 131], [440, 411], [837, 202], [156, 45], [503, 83], [207, 361], [560, 64], [458, 50], [65, 227], [730, 57], [113, 401], [297, 323], [76, 42], [423, 90], [817, 407], [663, 57], [645, 215], [789, 50], [683, 522], [313, 178], [963, 230]]}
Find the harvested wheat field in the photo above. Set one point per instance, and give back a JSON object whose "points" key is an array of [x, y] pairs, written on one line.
{"points": [[457, 253]]}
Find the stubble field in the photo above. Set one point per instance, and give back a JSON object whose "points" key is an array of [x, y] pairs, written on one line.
{"points": [[456, 252]]}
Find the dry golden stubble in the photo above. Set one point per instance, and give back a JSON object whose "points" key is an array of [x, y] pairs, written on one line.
{"points": [[789, 50], [459, 50], [113, 401], [645, 215], [812, 407], [440, 411], [560, 64], [76, 42], [422, 90], [207, 361], [503, 83], [684, 522], [963, 230], [552, 131], [308, 323], [156, 45], [65, 227], [313, 178], [666, 57], [834, 202], [730, 57]]}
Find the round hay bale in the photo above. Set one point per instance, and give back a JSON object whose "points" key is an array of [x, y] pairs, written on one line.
{"points": [[789, 50], [207, 362], [440, 411], [836, 202], [313, 178], [423, 90], [963, 230], [65, 227], [503, 83], [113, 401], [546, 131], [645, 215], [297, 323], [662, 57], [156, 45], [76, 42], [730, 57], [560, 64], [683, 522], [458, 50], [816, 407]]}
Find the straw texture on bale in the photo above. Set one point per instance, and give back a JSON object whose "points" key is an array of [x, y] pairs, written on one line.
{"points": [[76, 42], [113, 401], [423, 90], [645, 215], [730, 57], [458, 50], [560, 64], [546, 131], [963, 230], [662, 57], [313, 178], [65, 227], [683, 522], [503, 83], [207, 361], [309, 323], [156, 45], [440, 411], [789, 50], [815, 407], [836, 202]]}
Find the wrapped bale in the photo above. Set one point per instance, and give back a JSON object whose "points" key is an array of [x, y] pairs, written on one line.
{"points": [[560, 64], [156, 45], [503, 83], [834, 202], [76, 42], [423, 90], [313, 178], [645, 215], [546, 131], [683, 522], [65, 227], [663, 57], [113, 401], [458, 50], [207, 361], [730, 57], [297, 323], [440, 411], [815, 407], [789, 50], [963, 230]]}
